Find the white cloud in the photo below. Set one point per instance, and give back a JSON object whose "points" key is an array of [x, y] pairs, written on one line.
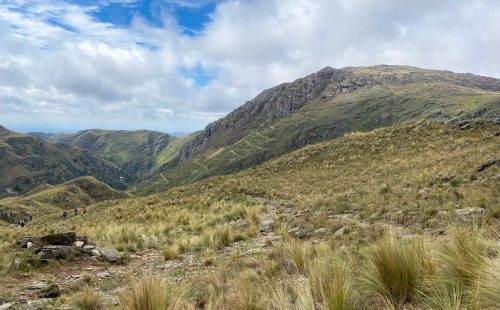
{"points": [[112, 76]]}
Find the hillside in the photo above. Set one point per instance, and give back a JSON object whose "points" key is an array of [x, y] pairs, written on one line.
{"points": [[77, 193], [136, 152], [323, 106], [28, 162], [325, 211], [51, 137]]}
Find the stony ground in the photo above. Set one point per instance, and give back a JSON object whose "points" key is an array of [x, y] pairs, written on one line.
{"points": [[112, 279]]}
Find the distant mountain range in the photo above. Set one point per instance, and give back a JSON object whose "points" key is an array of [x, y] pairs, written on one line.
{"points": [[28, 162], [316, 108]]}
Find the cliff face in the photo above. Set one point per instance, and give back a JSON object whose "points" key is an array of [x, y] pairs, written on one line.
{"points": [[273, 104], [282, 100]]}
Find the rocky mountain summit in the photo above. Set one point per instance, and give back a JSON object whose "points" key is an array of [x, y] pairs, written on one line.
{"points": [[324, 106]]}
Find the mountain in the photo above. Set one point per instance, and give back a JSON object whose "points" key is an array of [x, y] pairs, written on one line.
{"points": [[51, 137], [27, 162], [136, 152], [331, 213], [77, 193], [323, 106]]}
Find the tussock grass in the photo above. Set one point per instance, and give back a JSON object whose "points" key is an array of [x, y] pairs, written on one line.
{"points": [[396, 268], [89, 300], [154, 294]]}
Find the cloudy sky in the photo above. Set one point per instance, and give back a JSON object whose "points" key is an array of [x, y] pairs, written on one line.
{"points": [[176, 65]]}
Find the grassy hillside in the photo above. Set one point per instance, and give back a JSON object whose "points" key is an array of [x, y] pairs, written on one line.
{"points": [[137, 152], [364, 99], [337, 213], [28, 162], [77, 193]]}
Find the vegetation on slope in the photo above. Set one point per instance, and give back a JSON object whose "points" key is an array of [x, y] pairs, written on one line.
{"points": [[77, 193], [28, 162], [136, 152], [323, 106], [390, 192]]}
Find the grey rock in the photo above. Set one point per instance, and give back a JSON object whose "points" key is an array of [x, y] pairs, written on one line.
{"points": [[111, 300], [88, 248], [67, 238], [467, 215], [103, 275], [266, 225], [110, 255], [44, 290], [320, 231], [9, 305], [340, 231], [23, 241], [56, 252], [294, 230]]}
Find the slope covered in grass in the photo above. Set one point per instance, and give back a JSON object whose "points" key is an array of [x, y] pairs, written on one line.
{"points": [[413, 175], [27, 162], [77, 193], [357, 222], [323, 106]]}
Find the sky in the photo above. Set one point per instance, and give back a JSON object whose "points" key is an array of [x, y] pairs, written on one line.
{"points": [[177, 65]]}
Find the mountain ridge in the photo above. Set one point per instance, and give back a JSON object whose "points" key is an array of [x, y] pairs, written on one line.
{"points": [[323, 106]]}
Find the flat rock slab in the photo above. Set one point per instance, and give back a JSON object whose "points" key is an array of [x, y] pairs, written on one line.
{"points": [[67, 238], [56, 252], [44, 290]]}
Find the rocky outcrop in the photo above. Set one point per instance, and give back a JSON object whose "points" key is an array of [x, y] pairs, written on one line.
{"points": [[65, 246], [487, 164], [56, 252], [43, 290], [273, 104], [67, 238]]}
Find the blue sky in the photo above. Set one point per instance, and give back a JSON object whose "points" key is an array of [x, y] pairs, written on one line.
{"points": [[177, 65]]}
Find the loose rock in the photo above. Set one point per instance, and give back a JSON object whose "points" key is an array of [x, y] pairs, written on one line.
{"points": [[467, 215], [44, 290], [110, 255]]}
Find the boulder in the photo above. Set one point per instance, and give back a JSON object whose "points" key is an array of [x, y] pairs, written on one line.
{"points": [[467, 215], [23, 241], [110, 255], [9, 305], [79, 244], [266, 226], [88, 248], [340, 231], [67, 238], [44, 290], [55, 252]]}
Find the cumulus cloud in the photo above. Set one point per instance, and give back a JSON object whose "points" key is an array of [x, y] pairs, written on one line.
{"points": [[59, 62]]}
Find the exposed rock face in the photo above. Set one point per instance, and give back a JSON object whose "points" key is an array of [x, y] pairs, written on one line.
{"points": [[284, 99], [56, 252], [272, 104]]}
